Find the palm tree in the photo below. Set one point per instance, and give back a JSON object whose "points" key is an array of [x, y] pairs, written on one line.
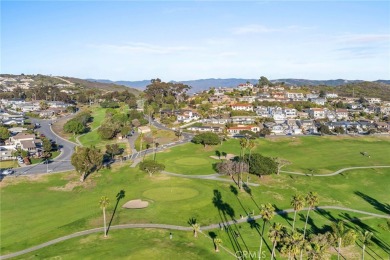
{"points": [[244, 144], [297, 202], [104, 202], [275, 234], [267, 212], [312, 200], [293, 244], [340, 232], [366, 240], [217, 242], [196, 228]]}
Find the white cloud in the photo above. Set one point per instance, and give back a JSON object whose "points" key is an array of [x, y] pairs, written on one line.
{"points": [[364, 38]]}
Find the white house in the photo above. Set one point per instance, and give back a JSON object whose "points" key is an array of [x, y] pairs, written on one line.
{"points": [[242, 107], [290, 112], [245, 86], [318, 101], [331, 95], [317, 113], [341, 113], [237, 129]]}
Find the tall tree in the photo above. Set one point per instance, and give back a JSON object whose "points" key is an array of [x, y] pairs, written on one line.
{"points": [[4, 133], [340, 233], [104, 202], [312, 201], [267, 212], [297, 202], [86, 160], [366, 240], [244, 145], [275, 234]]}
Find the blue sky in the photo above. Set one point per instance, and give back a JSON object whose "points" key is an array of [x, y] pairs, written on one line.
{"points": [[184, 40]]}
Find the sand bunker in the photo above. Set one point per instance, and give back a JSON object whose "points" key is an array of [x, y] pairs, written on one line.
{"points": [[135, 204]]}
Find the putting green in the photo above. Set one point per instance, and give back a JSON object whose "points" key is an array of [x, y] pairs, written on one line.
{"points": [[170, 194], [191, 161]]}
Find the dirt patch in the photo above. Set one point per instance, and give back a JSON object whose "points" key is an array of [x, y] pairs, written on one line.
{"points": [[229, 156], [70, 186]]}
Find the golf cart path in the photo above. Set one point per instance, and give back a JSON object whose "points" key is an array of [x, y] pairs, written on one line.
{"points": [[175, 227], [336, 172], [214, 177]]}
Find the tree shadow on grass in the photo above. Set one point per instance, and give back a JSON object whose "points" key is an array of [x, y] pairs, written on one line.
{"points": [[357, 223], [235, 192], [384, 207], [227, 214], [283, 214], [120, 195], [325, 214]]}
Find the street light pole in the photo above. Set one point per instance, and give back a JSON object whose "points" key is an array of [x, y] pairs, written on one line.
{"points": [[47, 166]]}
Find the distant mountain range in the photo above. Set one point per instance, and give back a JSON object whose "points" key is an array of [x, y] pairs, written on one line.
{"points": [[204, 84]]}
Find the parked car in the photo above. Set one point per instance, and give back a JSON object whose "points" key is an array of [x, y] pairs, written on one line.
{"points": [[8, 172]]}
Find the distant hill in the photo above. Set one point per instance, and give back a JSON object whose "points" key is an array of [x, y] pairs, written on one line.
{"points": [[105, 85], [357, 88], [204, 84]]}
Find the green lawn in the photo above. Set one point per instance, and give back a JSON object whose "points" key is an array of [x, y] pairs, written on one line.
{"points": [[58, 204], [133, 244], [306, 154], [8, 164]]}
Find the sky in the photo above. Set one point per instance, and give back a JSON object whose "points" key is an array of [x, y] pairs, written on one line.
{"points": [[188, 40]]}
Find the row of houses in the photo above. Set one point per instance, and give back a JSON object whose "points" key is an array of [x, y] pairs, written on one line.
{"points": [[295, 127]]}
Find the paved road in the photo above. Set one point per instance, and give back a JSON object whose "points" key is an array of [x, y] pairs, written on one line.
{"points": [[336, 172], [61, 163], [175, 227]]}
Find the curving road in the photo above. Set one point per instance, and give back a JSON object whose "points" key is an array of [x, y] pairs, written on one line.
{"points": [[336, 172], [175, 227], [61, 163]]}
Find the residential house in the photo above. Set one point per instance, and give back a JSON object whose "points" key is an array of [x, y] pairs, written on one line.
{"points": [[242, 107], [249, 99], [234, 130], [341, 113], [290, 112], [6, 152], [262, 112], [245, 86], [312, 96], [307, 126], [203, 129], [16, 130], [317, 113], [243, 120], [373, 100], [318, 101], [331, 95], [187, 116], [144, 129], [26, 142], [382, 126]]}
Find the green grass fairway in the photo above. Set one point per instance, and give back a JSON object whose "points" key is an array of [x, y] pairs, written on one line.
{"points": [[307, 154], [189, 159], [192, 161], [170, 194], [133, 244]]}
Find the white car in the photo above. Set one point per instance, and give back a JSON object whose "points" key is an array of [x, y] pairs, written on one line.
{"points": [[8, 172]]}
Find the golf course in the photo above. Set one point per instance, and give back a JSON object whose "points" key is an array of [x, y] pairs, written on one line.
{"points": [[37, 209]]}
